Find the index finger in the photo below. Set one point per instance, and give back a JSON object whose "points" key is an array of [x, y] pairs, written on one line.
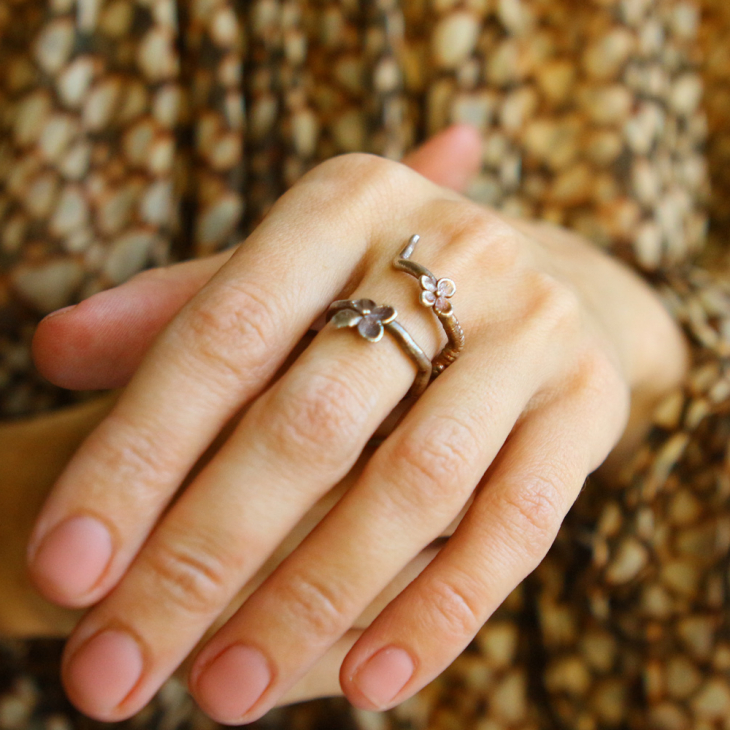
{"points": [[214, 357]]}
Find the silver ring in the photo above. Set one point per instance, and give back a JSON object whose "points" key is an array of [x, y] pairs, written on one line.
{"points": [[372, 321], [435, 293]]}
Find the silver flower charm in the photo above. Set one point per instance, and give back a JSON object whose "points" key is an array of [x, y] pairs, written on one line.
{"points": [[367, 316], [437, 293]]}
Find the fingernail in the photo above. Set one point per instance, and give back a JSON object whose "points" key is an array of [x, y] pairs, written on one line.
{"points": [[63, 310], [384, 675], [73, 556], [104, 671], [232, 683]]}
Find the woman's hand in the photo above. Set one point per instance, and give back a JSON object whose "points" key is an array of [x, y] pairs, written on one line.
{"points": [[557, 337], [99, 347]]}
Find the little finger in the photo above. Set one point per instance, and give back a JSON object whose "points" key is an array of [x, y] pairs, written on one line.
{"points": [[99, 343], [504, 535]]}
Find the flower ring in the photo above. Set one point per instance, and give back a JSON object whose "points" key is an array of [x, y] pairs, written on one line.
{"points": [[367, 316], [437, 293], [371, 322]]}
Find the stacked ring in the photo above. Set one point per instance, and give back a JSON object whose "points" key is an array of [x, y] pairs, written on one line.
{"points": [[435, 293], [372, 321]]}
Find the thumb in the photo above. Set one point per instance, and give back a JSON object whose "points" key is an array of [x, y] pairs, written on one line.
{"points": [[451, 158]]}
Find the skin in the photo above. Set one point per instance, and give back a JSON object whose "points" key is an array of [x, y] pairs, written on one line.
{"points": [[567, 352], [100, 347], [26, 483]]}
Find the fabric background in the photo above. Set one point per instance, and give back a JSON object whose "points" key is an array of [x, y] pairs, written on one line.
{"points": [[134, 133]]}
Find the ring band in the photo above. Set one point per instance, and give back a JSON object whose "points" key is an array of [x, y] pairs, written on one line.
{"points": [[372, 321], [435, 293]]}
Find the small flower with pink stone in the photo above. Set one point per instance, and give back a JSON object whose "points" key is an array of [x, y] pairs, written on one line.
{"points": [[437, 293]]}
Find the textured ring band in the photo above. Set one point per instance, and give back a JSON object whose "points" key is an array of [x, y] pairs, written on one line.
{"points": [[372, 321], [435, 293]]}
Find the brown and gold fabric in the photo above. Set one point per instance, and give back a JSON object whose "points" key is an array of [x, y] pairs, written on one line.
{"points": [[137, 132]]}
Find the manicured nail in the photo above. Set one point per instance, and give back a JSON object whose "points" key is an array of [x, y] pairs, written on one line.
{"points": [[63, 310], [104, 671], [232, 683], [384, 675], [72, 557]]}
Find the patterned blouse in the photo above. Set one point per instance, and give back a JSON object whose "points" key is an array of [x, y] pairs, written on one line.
{"points": [[138, 132]]}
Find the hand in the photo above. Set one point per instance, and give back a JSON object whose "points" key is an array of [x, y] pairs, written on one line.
{"points": [[103, 344], [100, 347], [552, 329]]}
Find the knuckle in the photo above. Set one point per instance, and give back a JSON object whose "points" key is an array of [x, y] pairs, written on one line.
{"points": [[319, 422], [137, 453], [597, 385], [437, 463], [314, 608], [368, 180], [533, 513], [189, 577], [481, 235], [455, 608], [362, 167], [553, 304], [351, 164], [232, 320], [596, 372]]}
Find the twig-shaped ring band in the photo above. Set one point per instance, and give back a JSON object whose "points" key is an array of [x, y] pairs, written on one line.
{"points": [[435, 293]]}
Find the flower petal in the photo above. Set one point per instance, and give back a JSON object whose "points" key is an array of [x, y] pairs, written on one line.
{"points": [[428, 298], [446, 288], [428, 283], [371, 328], [365, 306], [385, 314], [443, 306], [346, 318]]}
